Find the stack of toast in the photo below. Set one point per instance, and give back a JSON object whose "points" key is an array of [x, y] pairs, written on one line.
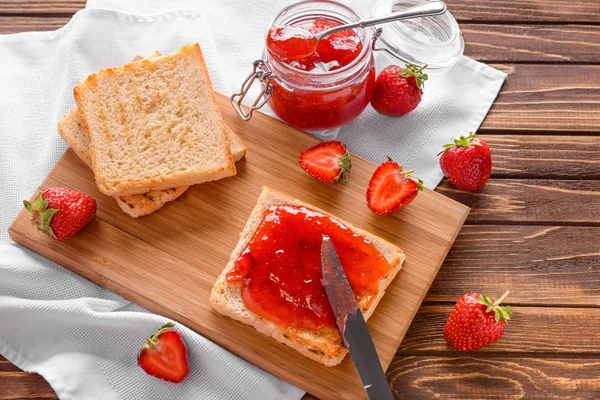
{"points": [[150, 129]]}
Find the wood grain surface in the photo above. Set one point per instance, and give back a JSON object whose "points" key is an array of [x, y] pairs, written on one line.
{"points": [[532, 99], [544, 131], [533, 43], [531, 201], [531, 261], [476, 378], [580, 11], [548, 157], [574, 332], [546, 98], [565, 44]]}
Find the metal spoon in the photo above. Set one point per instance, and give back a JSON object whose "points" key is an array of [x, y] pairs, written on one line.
{"points": [[306, 42]]}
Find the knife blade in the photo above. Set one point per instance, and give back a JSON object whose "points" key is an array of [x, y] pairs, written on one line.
{"points": [[352, 326]]}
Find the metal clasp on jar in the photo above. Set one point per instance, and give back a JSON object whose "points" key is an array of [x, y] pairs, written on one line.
{"points": [[261, 72], [376, 36]]}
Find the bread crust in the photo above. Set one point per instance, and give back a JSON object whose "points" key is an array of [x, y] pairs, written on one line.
{"points": [[324, 346], [125, 187]]}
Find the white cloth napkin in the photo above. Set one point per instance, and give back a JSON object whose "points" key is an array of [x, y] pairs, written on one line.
{"points": [[454, 103], [82, 338]]}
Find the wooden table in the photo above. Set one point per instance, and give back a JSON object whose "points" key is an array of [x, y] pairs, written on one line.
{"points": [[534, 229]]}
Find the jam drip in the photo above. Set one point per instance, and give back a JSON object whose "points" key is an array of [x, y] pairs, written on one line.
{"points": [[280, 270]]}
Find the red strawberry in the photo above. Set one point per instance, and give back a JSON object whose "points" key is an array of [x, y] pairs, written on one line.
{"points": [[398, 91], [467, 163], [328, 161], [391, 188], [164, 355], [61, 212], [476, 321]]}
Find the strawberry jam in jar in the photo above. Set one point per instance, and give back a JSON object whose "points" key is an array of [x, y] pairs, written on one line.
{"points": [[324, 90]]}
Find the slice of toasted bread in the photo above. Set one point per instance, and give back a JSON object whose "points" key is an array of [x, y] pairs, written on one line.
{"points": [[136, 205], [324, 345], [72, 132], [154, 124]]}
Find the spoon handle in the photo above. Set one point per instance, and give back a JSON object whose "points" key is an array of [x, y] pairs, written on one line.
{"points": [[422, 10]]}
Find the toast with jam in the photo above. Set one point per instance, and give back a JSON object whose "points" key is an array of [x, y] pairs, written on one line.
{"points": [[272, 281]]}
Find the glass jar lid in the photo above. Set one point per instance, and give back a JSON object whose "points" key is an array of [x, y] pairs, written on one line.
{"points": [[435, 41]]}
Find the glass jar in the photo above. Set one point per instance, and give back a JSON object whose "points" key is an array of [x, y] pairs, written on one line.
{"points": [[435, 41], [314, 100], [322, 100]]}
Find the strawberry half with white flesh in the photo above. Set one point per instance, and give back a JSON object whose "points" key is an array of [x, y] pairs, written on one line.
{"points": [[391, 188], [165, 355], [328, 161]]}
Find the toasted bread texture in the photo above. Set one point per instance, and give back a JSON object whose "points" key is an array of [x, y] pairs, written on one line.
{"points": [[154, 124], [136, 205], [325, 345]]}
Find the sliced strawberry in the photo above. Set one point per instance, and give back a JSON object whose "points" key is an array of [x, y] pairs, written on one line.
{"points": [[164, 355], [391, 188], [328, 161]]}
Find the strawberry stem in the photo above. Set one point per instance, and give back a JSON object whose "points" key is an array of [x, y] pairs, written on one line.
{"points": [[500, 300], [416, 72]]}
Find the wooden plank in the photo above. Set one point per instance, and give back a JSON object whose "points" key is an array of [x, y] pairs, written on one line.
{"points": [[41, 6], [580, 11], [23, 385], [7, 366], [532, 43], [549, 157], [489, 43], [168, 261], [531, 330], [501, 377], [25, 24], [544, 98], [531, 201], [532, 99], [552, 259]]}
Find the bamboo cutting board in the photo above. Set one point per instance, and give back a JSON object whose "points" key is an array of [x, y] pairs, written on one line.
{"points": [[167, 262]]}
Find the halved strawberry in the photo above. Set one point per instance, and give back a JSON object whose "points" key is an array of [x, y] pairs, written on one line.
{"points": [[328, 161], [391, 188], [164, 355]]}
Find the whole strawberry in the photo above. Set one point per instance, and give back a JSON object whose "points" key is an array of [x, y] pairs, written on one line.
{"points": [[391, 188], [398, 91], [328, 161], [61, 213], [476, 321], [467, 163], [165, 355]]}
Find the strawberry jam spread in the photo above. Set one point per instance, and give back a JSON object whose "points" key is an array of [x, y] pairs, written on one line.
{"points": [[280, 270], [315, 104]]}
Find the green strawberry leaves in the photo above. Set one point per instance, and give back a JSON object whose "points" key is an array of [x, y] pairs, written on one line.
{"points": [[417, 73], [500, 312], [41, 215], [462, 141]]}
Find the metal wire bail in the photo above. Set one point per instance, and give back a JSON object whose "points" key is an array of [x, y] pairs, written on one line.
{"points": [[261, 72], [376, 36]]}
